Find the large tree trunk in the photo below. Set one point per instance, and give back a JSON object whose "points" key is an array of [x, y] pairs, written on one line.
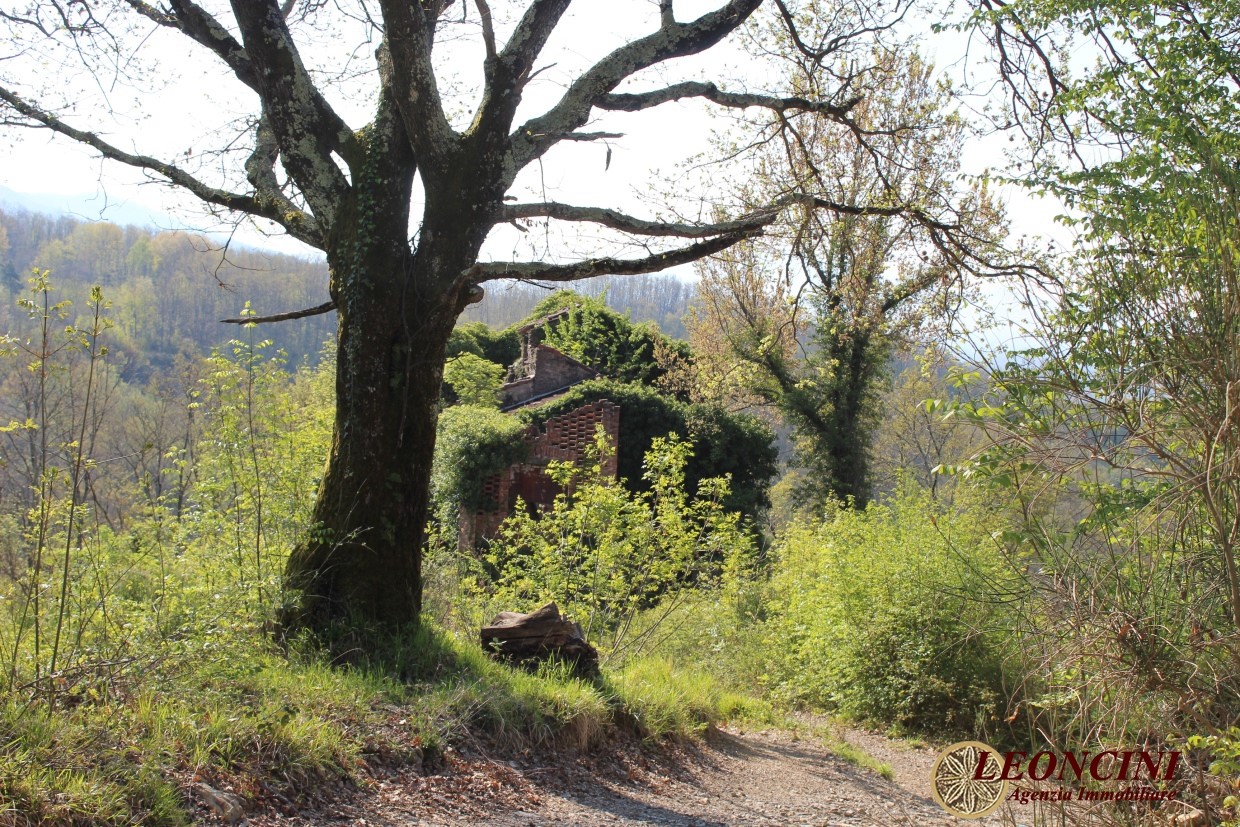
{"points": [[361, 562]]}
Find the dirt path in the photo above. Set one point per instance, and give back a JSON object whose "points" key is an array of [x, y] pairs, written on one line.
{"points": [[734, 778], [739, 778]]}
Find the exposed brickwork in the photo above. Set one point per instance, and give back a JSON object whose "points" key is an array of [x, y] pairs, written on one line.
{"points": [[565, 438], [568, 436]]}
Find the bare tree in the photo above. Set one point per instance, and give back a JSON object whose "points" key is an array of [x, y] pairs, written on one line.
{"points": [[349, 191], [875, 249]]}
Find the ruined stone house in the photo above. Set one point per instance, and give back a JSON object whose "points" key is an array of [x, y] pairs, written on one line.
{"points": [[542, 374]]}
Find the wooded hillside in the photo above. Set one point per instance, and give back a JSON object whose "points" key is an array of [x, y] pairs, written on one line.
{"points": [[171, 289]]}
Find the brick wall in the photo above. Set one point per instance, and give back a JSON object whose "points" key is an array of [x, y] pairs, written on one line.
{"points": [[565, 438], [568, 436]]}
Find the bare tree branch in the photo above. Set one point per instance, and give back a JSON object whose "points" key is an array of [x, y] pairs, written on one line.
{"points": [[488, 29], [298, 224], [531, 33], [908, 211], [260, 171], [542, 271], [517, 59], [505, 77], [819, 54], [635, 102], [590, 136], [1022, 57], [629, 224], [260, 166], [326, 307]]}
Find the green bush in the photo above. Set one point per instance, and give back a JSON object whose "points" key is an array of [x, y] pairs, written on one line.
{"points": [[473, 443], [604, 553], [890, 615], [502, 347], [1224, 751]]}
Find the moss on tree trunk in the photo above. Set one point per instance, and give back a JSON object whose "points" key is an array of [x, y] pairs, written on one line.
{"points": [[361, 560]]}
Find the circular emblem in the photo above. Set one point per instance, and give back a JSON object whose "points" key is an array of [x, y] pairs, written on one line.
{"points": [[956, 785]]}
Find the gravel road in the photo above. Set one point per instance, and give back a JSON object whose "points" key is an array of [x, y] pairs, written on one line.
{"points": [[731, 778]]}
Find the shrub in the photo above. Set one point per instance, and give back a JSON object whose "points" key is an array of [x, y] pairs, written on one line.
{"points": [[890, 615], [604, 553], [502, 347], [1224, 752], [473, 443]]}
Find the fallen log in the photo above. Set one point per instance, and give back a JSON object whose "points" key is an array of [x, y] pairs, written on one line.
{"points": [[542, 635]]}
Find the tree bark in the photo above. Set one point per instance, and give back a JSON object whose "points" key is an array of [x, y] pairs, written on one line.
{"points": [[362, 558], [361, 561]]}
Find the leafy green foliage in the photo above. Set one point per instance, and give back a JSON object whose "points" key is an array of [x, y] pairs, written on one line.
{"points": [[473, 443], [601, 338], [891, 615], [1224, 750], [502, 347], [472, 380], [661, 298], [603, 553], [1115, 432]]}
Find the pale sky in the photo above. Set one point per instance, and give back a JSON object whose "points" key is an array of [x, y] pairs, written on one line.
{"points": [[197, 105]]}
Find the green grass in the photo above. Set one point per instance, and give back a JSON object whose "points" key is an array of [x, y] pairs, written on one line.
{"points": [[857, 756], [124, 757], [253, 719], [663, 699]]}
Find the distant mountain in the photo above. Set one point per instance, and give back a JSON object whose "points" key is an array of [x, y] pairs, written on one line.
{"points": [[84, 206]]}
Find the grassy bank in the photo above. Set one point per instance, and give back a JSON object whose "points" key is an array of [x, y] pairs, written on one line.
{"points": [[283, 728]]}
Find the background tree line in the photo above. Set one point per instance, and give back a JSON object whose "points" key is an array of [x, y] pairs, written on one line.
{"points": [[172, 288]]}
